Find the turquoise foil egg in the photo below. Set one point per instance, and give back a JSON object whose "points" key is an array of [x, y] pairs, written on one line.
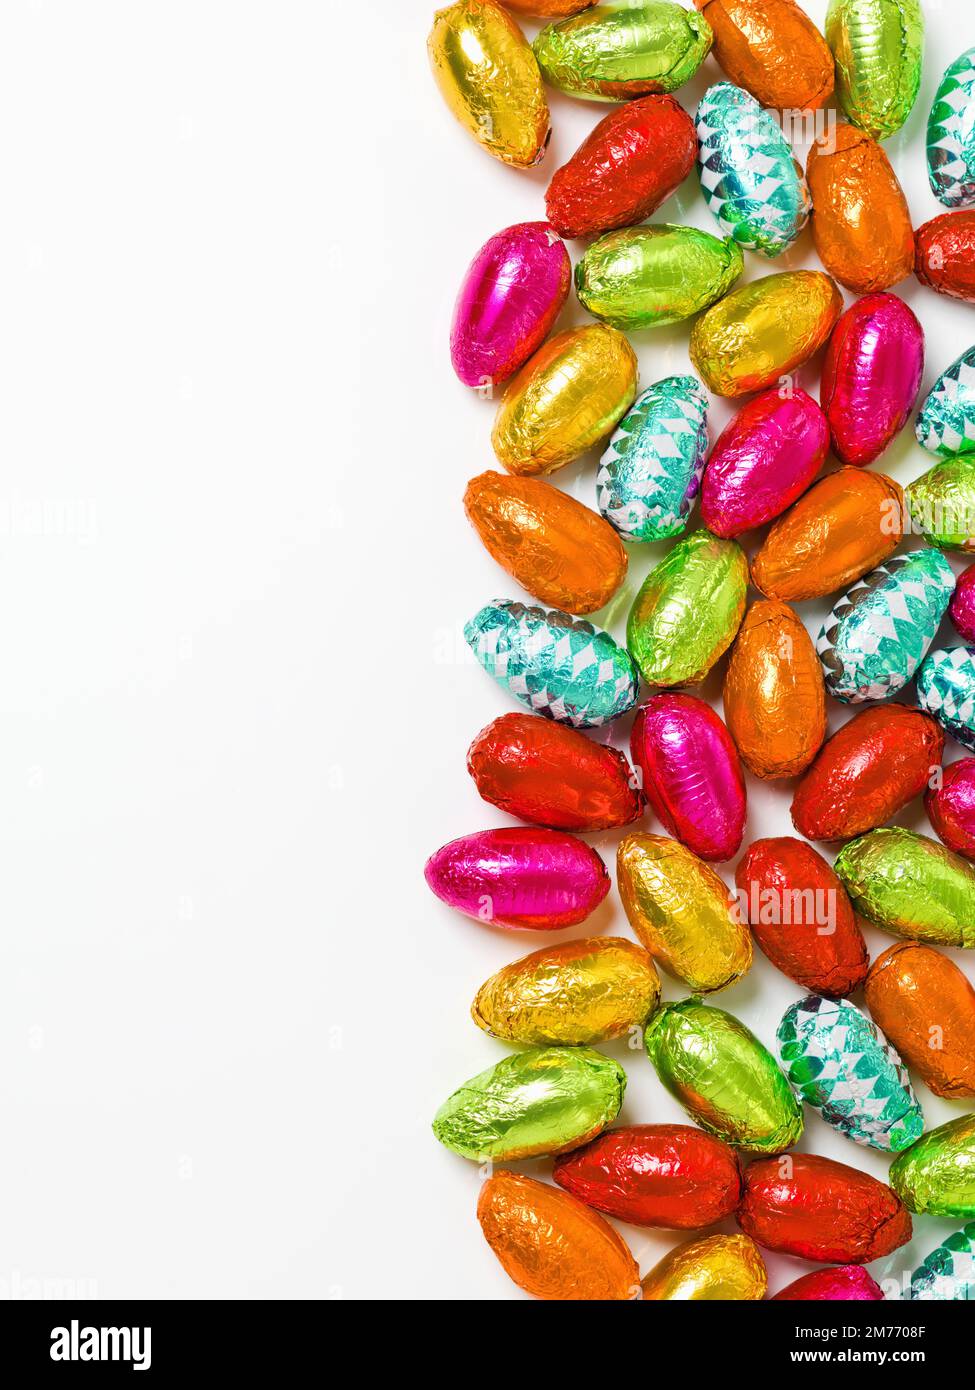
{"points": [[877, 634], [842, 1065], [749, 176], [946, 421], [949, 1271], [556, 665], [651, 470], [951, 135], [946, 689]]}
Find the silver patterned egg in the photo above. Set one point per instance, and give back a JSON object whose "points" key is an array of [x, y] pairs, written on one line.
{"points": [[946, 689], [951, 135], [946, 421]]}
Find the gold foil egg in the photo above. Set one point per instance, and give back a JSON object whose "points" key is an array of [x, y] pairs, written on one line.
{"points": [[728, 1268]]}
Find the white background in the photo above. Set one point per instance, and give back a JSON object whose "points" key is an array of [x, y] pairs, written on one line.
{"points": [[235, 699]]}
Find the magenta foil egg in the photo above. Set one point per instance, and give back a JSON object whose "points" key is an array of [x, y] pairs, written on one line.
{"points": [[512, 294], [523, 878], [763, 460], [961, 609], [691, 773], [951, 807], [871, 376]]}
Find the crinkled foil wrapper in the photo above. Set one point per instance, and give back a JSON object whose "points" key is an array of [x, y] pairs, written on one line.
{"points": [[942, 504], [915, 994], [945, 423], [936, 1176], [910, 885], [728, 1268], [871, 376], [944, 254], [946, 687], [878, 46], [951, 134], [844, 1284], [951, 807], [773, 50], [949, 1271]]}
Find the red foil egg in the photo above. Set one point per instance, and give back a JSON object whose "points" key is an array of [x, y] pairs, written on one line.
{"points": [[951, 807], [944, 254], [845, 1283]]}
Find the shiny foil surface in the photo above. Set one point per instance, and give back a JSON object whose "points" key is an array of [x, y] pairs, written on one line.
{"points": [[674, 1176], [773, 50], [763, 460], [949, 1271], [843, 527], [878, 46], [961, 609], [560, 666], [548, 9], [801, 916], [936, 1176], [488, 76], [822, 1210], [944, 254], [691, 774], [552, 775], [681, 911], [942, 504], [633, 160], [552, 1246], [510, 298], [774, 698], [624, 49], [565, 399], [946, 689], [651, 469], [644, 277], [871, 768], [520, 878], [544, 1101], [729, 1268], [561, 551], [724, 1078], [748, 173], [926, 1006], [688, 610], [951, 807], [910, 885], [951, 134], [861, 222], [585, 991], [879, 632], [871, 376], [763, 331], [845, 1283], [946, 421], [842, 1065]]}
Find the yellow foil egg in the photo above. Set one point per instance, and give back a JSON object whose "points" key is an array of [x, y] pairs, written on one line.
{"points": [[681, 911], [729, 1268], [565, 399], [584, 991], [488, 76], [763, 331]]}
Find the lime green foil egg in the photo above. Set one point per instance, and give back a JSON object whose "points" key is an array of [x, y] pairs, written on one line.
{"points": [[725, 1079], [878, 46], [910, 885], [623, 49], [942, 503], [642, 277], [936, 1176]]}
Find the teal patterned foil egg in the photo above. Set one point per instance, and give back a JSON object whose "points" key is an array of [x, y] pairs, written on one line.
{"points": [[842, 1065], [557, 665], [946, 689], [949, 1271], [951, 135], [946, 421], [749, 176], [877, 634], [651, 470]]}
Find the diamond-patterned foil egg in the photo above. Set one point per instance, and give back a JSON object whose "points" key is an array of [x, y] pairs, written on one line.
{"points": [[926, 1007], [949, 1271], [651, 470], [876, 636], [772, 49], [842, 1065], [557, 665], [910, 885], [644, 277], [946, 689], [951, 135], [871, 376], [878, 47], [946, 421], [944, 254], [723, 1268], [936, 1176], [623, 49], [942, 504], [749, 176], [951, 807]]}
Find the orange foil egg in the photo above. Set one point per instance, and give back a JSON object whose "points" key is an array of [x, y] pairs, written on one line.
{"points": [[774, 698], [926, 1007], [844, 526], [773, 50], [861, 223]]}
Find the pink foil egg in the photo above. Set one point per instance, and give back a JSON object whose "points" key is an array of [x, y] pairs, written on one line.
{"points": [[691, 773], [951, 807], [871, 376], [961, 609], [763, 460], [523, 878], [844, 1283], [512, 294]]}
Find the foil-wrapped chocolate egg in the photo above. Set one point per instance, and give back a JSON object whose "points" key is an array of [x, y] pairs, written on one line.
{"points": [[946, 689], [910, 885], [946, 421], [942, 504], [764, 330], [644, 277], [726, 1268], [878, 48], [749, 176], [936, 1176], [772, 49], [489, 78], [926, 1006], [548, 9], [951, 807], [951, 134], [944, 254], [651, 469], [949, 1271], [961, 609], [844, 1283]]}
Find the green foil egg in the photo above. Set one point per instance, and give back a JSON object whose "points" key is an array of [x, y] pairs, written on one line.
{"points": [[936, 1176], [688, 610], [942, 503], [643, 277], [878, 46], [545, 1101], [910, 885]]}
